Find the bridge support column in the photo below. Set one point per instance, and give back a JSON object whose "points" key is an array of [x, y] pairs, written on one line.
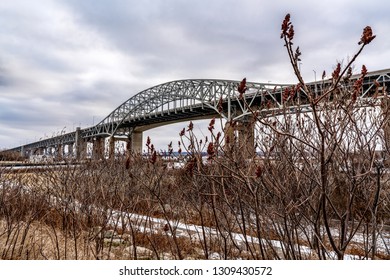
{"points": [[239, 138], [80, 145], [70, 150], [22, 152], [230, 138], [98, 148], [135, 145], [246, 137], [111, 148], [59, 152]]}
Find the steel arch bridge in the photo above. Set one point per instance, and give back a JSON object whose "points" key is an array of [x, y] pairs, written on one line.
{"points": [[181, 100], [190, 99]]}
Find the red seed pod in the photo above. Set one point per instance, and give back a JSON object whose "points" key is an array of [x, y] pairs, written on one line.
{"points": [[286, 94], [297, 55], [220, 107], [285, 25], [242, 87], [348, 75], [211, 124], [336, 72], [291, 33], [364, 70], [210, 150], [357, 87], [367, 36], [218, 136], [323, 75], [190, 126], [148, 142]]}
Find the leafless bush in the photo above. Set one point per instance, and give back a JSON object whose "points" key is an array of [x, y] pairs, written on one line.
{"points": [[10, 156]]}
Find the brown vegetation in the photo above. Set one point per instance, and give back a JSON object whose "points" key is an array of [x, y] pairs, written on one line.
{"points": [[10, 156]]}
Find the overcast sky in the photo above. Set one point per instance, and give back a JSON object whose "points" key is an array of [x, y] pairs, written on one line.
{"points": [[69, 63]]}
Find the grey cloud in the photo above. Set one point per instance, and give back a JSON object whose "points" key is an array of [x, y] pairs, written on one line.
{"points": [[199, 35]]}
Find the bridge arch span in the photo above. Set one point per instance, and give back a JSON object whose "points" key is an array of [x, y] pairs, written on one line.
{"points": [[177, 99]]}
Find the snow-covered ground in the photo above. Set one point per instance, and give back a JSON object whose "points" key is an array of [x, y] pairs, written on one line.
{"points": [[155, 225], [147, 224]]}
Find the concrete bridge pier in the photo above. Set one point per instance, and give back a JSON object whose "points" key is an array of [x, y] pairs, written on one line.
{"points": [[36, 151], [111, 147], [230, 137], [246, 137], [98, 148], [135, 142], [25, 152], [80, 145], [22, 152], [70, 150], [49, 151], [59, 152], [239, 136]]}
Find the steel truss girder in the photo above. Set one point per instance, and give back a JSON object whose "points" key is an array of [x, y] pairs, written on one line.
{"points": [[170, 97]]}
